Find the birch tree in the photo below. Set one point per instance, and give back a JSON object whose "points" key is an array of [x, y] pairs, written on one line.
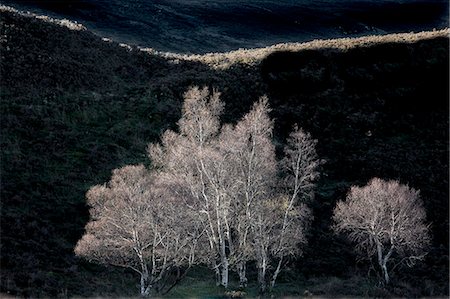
{"points": [[250, 148], [136, 223], [229, 176], [193, 159], [280, 224], [386, 220], [278, 233]]}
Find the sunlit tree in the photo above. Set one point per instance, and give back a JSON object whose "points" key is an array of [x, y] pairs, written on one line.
{"points": [[137, 223], [281, 220], [386, 220], [229, 176], [192, 160]]}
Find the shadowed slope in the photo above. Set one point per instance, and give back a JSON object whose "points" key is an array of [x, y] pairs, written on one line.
{"points": [[74, 107], [201, 26]]}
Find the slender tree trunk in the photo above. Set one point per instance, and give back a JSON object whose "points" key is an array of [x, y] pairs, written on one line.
{"points": [[145, 286], [262, 277], [242, 275], [144, 274], [382, 261], [218, 278], [385, 260], [275, 274], [143, 283], [223, 261], [385, 273], [224, 271]]}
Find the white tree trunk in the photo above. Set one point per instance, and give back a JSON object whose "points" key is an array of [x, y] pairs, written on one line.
{"points": [[262, 277], [242, 275], [223, 258], [143, 283], [382, 261], [275, 274], [145, 286], [385, 273], [385, 260], [224, 271], [218, 279]]}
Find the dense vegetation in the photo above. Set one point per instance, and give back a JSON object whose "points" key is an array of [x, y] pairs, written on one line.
{"points": [[74, 107]]}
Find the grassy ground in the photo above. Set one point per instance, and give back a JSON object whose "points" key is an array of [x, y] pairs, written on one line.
{"points": [[75, 107]]}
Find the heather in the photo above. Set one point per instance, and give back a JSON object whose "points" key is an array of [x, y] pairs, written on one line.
{"points": [[74, 107]]}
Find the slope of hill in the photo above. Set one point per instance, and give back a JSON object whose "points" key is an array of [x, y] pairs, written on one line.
{"points": [[200, 26], [74, 107]]}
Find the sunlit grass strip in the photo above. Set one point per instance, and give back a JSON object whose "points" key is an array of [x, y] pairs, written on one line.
{"points": [[254, 56], [72, 25], [219, 60]]}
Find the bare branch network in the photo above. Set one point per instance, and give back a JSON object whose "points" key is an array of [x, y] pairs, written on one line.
{"points": [[387, 220], [217, 195]]}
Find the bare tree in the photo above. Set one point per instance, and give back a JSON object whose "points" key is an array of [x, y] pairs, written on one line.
{"points": [[300, 166], [250, 149], [229, 175], [278, 232], [385, 219], [136, 223], [212, 194], [280, 224], [192, 159]]}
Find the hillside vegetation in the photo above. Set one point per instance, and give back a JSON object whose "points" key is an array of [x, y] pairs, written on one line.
{"points": [[75, 106]]}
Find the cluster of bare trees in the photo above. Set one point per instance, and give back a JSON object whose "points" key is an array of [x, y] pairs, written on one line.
{"points": [[217, 195], [230, 176]]}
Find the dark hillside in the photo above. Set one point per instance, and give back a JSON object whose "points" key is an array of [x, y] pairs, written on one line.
{"points": [[202, 26], [378, 111], [74, 107]]}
